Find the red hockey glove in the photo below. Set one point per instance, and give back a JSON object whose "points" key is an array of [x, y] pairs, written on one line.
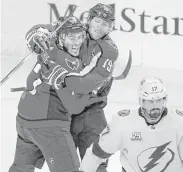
{"points": [[54, 75], [35, 40]]}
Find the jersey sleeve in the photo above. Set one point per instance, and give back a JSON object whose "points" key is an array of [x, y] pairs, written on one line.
{"points": [[111, 139], [180, 148], [100, 72], [177, 115], [110, 142], [90, 161]]}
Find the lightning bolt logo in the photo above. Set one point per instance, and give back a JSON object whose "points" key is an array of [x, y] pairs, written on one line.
{"points": [[157, 154]]}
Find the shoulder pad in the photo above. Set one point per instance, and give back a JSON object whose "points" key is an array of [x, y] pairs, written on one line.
{"points": [[179, 112], [124, 112], [108, 51], [112, 44], [108, 44]]}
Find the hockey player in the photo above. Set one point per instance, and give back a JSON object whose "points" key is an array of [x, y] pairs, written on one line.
{"points": [[43, 121], [150, 139], [87, 126]]}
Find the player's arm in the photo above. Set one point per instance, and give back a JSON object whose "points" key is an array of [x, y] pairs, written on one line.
{"points": [[180, 148], [100, 72], [178, 121], [34, 78], [110, 142]]}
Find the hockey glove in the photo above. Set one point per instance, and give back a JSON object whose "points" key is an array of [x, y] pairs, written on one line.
{"points": [[44, 57], [35, 40], [54, 75]]}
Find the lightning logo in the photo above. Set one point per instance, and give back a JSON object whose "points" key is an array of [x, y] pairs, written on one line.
{"points": [[156, 158], [157, 154]]}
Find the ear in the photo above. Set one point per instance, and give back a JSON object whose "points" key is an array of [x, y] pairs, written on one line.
{"points": [[140, 101], [111, 27], [166, 99], [84, 35], [61, 40]]}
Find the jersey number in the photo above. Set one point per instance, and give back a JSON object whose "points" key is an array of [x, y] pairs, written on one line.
{"points": [[136, 136], [154, 88], [108, 65]]}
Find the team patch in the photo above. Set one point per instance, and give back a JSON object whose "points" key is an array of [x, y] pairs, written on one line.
{"points": [[72, 64], [179, 112], [124, 112]]}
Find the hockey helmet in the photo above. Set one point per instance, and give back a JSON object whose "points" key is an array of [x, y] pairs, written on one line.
{"points": [[152, 89], [103, 11], [152, 99], [73, 25]]}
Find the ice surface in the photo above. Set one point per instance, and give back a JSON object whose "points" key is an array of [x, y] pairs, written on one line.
{"points": [[123, 95]]}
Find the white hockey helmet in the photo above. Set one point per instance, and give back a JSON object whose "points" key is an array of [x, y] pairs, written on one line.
{"points": [[152, 99], [152, 89]]}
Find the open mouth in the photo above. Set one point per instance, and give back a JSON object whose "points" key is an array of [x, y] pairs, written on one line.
{"points": [[75, 49], [155, 114]]}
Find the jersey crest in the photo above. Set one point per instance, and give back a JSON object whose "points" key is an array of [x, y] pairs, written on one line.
{"points": [[156, 158], [124, 112], [72, 64]]}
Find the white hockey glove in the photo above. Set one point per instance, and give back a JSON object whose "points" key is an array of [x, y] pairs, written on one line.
{"points": [[35, 40], [54, 75]]}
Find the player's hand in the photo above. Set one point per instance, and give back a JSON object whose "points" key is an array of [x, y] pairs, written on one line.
{"points": [[44, 57], [36, 40], [54, 75]]}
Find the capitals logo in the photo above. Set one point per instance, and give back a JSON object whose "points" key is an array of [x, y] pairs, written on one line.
{"points": [[155, 159], [72, 64]]}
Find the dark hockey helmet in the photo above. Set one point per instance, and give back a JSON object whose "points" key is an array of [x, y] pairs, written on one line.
{"points": [[103, 11], [73, 25]]}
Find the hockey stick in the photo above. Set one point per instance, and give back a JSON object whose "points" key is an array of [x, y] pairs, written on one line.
{"points": [[62, 23], [17, 89], [124, 74], [15, 68], [27, 56]]}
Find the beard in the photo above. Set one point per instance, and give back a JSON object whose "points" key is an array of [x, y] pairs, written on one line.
{"points": [[155, 113]]}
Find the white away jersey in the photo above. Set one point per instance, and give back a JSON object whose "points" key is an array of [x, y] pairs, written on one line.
{"points": [[145, 148]]}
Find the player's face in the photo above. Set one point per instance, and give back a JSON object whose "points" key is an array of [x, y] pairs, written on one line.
{"points": [[153, 109], [98, 28], [72, 43]]}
